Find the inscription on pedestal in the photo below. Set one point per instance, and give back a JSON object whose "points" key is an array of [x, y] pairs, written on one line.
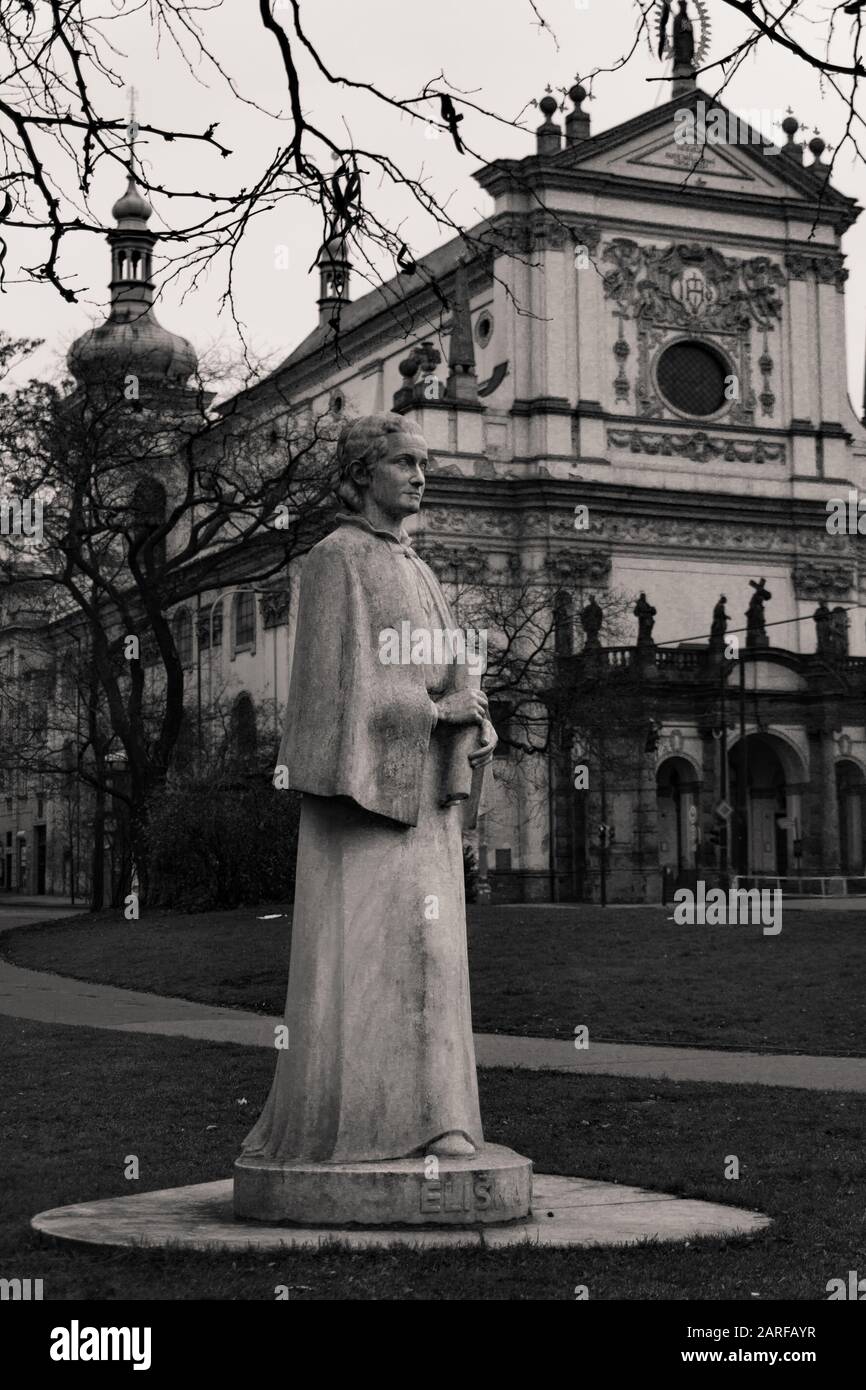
{"points": [[465, 1192], [492, 1188]]}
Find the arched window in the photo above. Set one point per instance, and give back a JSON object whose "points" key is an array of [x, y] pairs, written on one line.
{"points": [[210, 622], [243, 736], [183, 754], [244, 629], [182, 629]]}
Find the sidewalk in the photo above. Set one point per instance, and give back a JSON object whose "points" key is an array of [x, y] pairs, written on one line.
{"points": [[39, 900], [21, 912], [48, 998]]}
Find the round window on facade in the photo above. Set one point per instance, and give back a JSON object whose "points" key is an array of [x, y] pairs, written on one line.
{"points": [[691, 377], [484, 330]]}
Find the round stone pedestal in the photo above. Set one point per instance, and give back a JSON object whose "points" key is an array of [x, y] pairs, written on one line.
{"points": [[491, 1187]]}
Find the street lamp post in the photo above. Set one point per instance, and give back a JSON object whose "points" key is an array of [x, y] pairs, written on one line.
{"points": [[75, 830], [746, 820], [723, 775]]}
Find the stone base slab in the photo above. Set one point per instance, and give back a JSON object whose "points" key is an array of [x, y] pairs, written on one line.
{"points": [[565, 1212], [491, 1187]]}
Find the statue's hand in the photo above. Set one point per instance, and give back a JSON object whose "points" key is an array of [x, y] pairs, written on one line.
{"points": [[484, 752], [463, 707]]}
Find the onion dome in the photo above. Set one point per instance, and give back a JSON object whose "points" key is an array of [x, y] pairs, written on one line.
{"points": [[137, 346], [132, 206], [132, 341]]}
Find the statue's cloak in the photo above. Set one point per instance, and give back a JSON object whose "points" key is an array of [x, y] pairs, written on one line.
{"points": [[380, 1058], [357, 726]]}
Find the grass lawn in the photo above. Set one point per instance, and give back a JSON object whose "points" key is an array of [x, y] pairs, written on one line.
{"points": [[629, 975], [77, 1101]]}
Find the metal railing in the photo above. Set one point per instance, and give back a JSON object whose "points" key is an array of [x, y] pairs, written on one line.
{"points": [[806, 885]]}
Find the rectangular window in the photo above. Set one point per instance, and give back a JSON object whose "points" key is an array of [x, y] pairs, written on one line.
{"points": [[245, 622], [182, 630], [209, 621]]}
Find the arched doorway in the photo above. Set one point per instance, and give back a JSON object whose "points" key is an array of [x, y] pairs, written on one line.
{"points": [[765, 777], [677, 797], [850, 789]]}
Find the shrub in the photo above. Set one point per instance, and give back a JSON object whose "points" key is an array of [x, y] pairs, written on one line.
{"points": [[219, 841]]}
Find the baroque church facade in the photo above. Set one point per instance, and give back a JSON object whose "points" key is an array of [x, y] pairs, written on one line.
{"points": [[638, 395]]}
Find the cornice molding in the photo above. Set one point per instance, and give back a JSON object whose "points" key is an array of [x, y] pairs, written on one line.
{"points": [[801, 519]]}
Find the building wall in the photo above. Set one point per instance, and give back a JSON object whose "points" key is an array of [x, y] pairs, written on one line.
{"points": [[681, 508]]}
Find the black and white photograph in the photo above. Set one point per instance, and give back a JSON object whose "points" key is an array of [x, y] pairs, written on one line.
{"points": [[432, 673]]}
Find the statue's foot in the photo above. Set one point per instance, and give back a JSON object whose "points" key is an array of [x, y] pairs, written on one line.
{"points": [[453, 1145]]}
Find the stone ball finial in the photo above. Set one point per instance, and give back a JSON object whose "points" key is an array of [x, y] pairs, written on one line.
{"points": [[577, 93], [817, 146], [409, 366], [790, 125], [547, 106]]}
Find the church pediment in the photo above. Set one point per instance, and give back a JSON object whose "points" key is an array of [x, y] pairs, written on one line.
{"points": [[703, 164], [697, 142]]}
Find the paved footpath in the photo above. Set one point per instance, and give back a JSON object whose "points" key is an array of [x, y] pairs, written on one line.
{"points": [[48, 998]]}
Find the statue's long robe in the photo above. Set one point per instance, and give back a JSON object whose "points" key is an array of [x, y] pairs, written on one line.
{"points": [[380, 1060]]}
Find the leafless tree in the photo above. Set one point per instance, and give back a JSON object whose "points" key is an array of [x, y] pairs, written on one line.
{"points": [[61, 118], [146, 504]]}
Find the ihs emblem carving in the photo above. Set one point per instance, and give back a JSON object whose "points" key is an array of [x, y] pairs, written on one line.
{"points": [[693, 292], [687, 286]]}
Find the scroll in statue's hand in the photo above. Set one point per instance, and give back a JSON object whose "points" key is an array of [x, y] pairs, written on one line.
{"points": [[483, 754]]}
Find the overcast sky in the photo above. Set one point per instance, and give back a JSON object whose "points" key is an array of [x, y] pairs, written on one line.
{"points": [[493, 50]]}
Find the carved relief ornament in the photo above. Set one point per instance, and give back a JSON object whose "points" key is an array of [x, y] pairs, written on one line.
{"points": [[682, 534], [822, 581], [698, 446], [577, 567], [828, 267], [687, 287], [454, 563], [544, 229]]}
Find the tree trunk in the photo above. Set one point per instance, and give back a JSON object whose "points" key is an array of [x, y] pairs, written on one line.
{"points": [[97, 874]]}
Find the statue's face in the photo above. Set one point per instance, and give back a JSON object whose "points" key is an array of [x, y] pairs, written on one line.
{"points": [[396, 480]]}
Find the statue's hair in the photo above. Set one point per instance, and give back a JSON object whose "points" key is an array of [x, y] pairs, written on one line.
{"points": [[363, 441]]}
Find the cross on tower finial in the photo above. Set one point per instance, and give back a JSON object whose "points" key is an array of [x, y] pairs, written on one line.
{"points": [[132, 130]]}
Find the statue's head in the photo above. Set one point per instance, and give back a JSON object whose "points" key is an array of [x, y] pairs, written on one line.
{"points": [[381, 460]]}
